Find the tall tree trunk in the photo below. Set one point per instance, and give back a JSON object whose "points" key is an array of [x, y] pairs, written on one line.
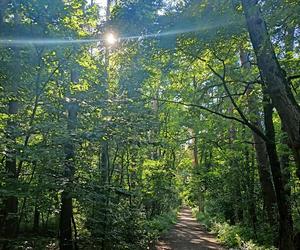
{"points": [[10, 211], [285, 155], [252, 194], [249, 184], [104, 148], [66, 212], [285, 162], [36, 220], [234, 163], [196, 165], [104, 168], [278, 86], [265, 177], [264, 171], [195, 150], [11, 202], [284, 206]]}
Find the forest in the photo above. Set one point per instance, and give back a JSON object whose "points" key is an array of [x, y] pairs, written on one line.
{"points": [[115, 114]]}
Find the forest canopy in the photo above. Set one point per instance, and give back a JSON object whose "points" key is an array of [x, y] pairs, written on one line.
{"points": [[114, 113]]}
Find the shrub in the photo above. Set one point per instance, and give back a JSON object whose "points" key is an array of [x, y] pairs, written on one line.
{"points": [[236, 236]]}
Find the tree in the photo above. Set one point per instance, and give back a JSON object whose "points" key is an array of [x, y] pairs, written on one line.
{"points": [[274, 77], [102, 143]]}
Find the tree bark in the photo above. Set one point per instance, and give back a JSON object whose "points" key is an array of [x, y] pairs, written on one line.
{"points": [[36, 220], [9, 223], [104, 148], [104, 166], [277, 83], [196, 165], [66, 212], [11, 202], [264, 171], [284, 206], [249, 188]]}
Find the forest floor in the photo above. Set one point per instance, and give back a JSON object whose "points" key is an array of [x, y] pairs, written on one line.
{"points": [[187, 234]]}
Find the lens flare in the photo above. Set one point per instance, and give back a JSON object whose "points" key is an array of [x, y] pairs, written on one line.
{"points": [[110, 39]]}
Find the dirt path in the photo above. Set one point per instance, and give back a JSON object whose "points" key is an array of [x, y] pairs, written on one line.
{"points": [[188, 234]]}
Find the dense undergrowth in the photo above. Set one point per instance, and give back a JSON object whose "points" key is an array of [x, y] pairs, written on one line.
{"points": [[237, 236], [161, 224], [141, 233], [100, 137]]}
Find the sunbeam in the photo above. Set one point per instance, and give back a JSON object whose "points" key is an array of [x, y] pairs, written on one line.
{"points": [[107, 38]]}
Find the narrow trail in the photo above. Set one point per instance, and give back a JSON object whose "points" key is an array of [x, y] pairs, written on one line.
{"points": [[188, 234]]}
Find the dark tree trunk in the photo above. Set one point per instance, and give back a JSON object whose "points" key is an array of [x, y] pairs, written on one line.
{"points": [[265, 177], [278, 86], [65, 225], [285, 162], [104, 167], [10, 212], [264, 171], [66, 212], [236, 185], [252, 195], [11, 202], [284, 206], [249, 185], [36, 220]]}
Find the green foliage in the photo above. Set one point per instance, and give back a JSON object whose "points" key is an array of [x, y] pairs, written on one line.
{"points": [[36, 242], [162, 117], [237, 235], [203, 218], [161, 224]]}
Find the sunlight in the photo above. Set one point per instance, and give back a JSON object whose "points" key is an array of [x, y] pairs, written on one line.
{"points": [[140, 124], [110, 38]]}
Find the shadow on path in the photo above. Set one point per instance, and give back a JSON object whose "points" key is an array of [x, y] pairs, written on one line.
{"points": [[187, 234]]}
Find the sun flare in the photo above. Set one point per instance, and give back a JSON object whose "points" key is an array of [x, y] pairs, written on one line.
{"points": [[110, 39]]}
